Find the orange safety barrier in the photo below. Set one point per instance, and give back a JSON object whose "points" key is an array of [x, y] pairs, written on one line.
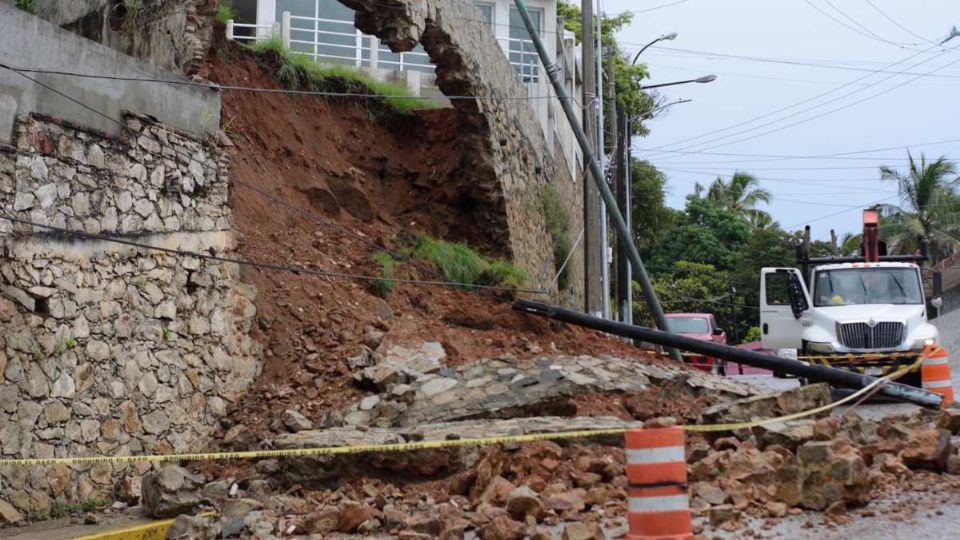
{"points": [[935, 373], [658, 505]]}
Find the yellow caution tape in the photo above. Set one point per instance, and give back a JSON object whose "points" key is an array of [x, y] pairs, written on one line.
{"points": [[431, 445], [754, 423]]}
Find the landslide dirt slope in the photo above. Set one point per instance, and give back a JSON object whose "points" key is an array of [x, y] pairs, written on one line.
{"points": [[364, 180]]}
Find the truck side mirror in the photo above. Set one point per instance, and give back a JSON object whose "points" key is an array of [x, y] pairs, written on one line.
{"points": [[717, 331], [798, 301]]}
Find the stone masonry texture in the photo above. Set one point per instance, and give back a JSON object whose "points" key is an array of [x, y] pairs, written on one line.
{"points": [[514, 164], [107, 349]]}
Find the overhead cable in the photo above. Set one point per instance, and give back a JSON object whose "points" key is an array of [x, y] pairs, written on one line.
{"points": [[299, 270], [865, 32], [774, 112], [723, 143], [274, 266], [897, 24]]}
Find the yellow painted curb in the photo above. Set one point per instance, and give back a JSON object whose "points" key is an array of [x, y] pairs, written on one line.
{"points": [[147, 531], [156, 530]]}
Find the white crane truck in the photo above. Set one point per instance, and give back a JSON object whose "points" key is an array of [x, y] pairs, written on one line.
{"points": [[867, 314]]}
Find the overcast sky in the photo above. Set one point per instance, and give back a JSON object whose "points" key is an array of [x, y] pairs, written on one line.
{"points": [[920, 110]]}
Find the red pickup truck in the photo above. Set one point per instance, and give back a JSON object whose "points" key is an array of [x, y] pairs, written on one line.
{"points": [[702, 326]]}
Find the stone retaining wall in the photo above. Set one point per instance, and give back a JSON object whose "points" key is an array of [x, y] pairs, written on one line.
{"points": [[513, 162], [108, 349]]}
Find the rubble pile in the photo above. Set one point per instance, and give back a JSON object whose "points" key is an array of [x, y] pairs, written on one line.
{"points": [[830, 464], [547, 489]]}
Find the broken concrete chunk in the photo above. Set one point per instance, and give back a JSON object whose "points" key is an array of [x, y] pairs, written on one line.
{"points": [[804, 398]]}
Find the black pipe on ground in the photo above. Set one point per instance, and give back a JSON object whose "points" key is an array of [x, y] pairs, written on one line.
{"points": [[836, 377]]}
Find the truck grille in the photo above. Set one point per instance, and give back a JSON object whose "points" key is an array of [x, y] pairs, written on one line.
{"points": [[884, 335]]}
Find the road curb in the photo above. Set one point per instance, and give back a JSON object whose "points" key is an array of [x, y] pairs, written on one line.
{"points": [[156, 530]]}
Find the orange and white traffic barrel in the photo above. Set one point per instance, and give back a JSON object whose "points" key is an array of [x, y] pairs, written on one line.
{"points": [[658, 505], [935, 373]]}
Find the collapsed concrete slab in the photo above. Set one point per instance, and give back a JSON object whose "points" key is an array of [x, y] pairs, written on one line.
{"points": [[502, 388], [420, 463]]}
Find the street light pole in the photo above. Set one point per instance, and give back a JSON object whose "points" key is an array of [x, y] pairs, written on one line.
{"points": [[666, 37]]}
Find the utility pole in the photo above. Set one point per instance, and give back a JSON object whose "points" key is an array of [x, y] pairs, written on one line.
{"points": [[593, 296], [601, 151], [619, 225], [610, 138], [622, 179]]}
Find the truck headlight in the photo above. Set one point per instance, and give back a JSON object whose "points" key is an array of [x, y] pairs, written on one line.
{"points": [[820, 347], [920, 344]]}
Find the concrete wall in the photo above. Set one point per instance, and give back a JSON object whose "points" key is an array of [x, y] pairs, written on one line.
{"points": [[191, 109], [105, 348], [168, 34], [513, 162]]}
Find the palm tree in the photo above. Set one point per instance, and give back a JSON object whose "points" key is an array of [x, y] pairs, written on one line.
{"points": [[928, 207], [741, 196]]}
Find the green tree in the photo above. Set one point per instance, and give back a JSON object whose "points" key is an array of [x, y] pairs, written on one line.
{"points": [[928, 207], [741, 195], [705, 233], [652, 218], [691, 288]]}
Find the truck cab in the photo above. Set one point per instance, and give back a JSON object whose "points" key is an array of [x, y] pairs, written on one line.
{"points": [[868, 316]]}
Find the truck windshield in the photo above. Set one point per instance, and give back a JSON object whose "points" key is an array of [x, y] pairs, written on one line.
{"points": [[688, 325], [867, 286]]}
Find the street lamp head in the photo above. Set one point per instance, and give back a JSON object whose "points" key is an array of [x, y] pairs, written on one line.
{"points": [[670, 37], [706, 79]]}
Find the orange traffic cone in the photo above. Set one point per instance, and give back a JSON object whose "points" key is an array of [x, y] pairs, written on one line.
{"points": [[935, 373], [658, 506]]}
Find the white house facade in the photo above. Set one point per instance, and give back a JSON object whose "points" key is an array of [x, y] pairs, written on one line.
{"points": [[324, 30]]}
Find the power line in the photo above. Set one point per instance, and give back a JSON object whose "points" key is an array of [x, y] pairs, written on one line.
{"points": [[261, 90], [814, 220], [774, 112], [820, 115], [868, 34], [776, 179], [248, 263], [837, 155], [897, 24], [769, 78], [299, 270], [655, 8], [773, 60]]}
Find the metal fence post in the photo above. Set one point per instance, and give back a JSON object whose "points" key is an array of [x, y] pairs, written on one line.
{"points": [[230, 30], [285, 29]]}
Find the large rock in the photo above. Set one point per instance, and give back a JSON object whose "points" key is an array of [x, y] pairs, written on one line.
{"points": [[502, 528], [927, 449], [523, 502], [194, 528], [787, 434], [171, 491], [323, 521], [582, 531], [822, 473], [9, 514], [294, 421]]}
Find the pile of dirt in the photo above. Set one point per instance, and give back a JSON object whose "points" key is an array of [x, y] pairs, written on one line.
{"points": [[364, 181]]}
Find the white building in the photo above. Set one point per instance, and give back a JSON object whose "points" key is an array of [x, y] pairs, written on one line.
{"points": [[324, 30]]}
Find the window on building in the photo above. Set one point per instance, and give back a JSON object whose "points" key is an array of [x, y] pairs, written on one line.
{"points": [[487, 10], [324, 29], [522, 53]]}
